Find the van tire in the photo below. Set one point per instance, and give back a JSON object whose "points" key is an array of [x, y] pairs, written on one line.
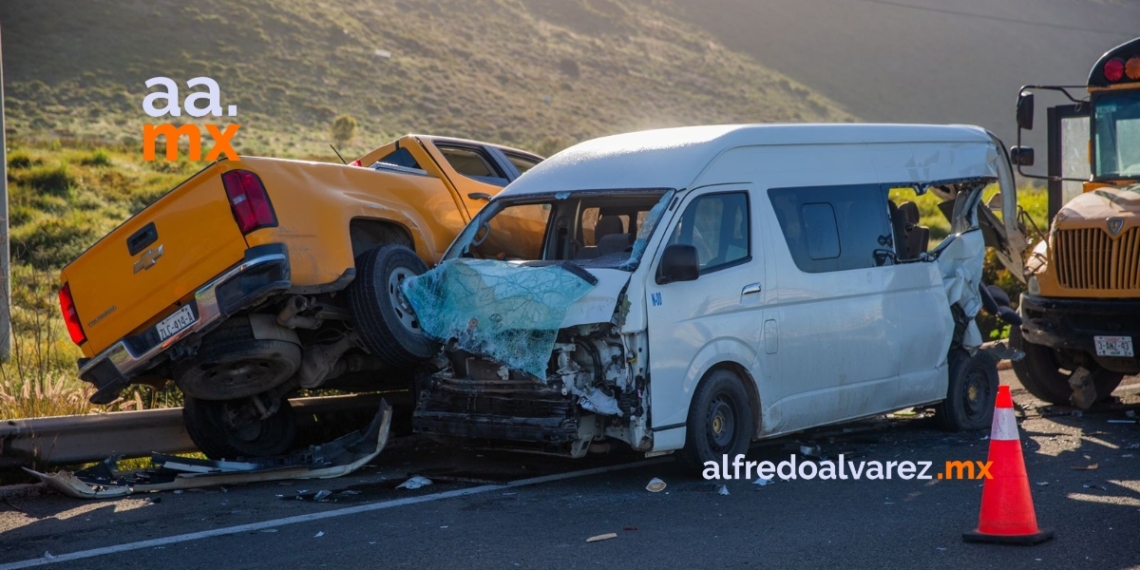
{"points": [[231, 363], [720, 421], [213, 429], [385, 321], [1041, 375], [970, 393]]}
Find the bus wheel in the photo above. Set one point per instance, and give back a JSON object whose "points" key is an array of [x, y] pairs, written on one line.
{"points": [[1042, 375]]}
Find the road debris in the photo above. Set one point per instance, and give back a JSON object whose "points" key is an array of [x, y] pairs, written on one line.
{"points": [[1122, 421], [602, 537], [655, 485], [322, 495], [168, 472], [723, 490], [414, 483], [1091, 467], [1042, 483], [319, 534], [762, 482]]}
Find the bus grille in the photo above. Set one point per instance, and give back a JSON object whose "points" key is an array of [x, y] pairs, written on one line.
{"points": [[1090, 258]]}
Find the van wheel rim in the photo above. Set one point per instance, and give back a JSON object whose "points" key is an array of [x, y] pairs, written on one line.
{"points": [[722, 423], [976, 396], [404, 312]]}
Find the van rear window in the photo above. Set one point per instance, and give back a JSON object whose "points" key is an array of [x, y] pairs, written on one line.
{"points": [[835, 228]]}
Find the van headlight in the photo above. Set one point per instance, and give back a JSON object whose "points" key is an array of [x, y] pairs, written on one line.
{"points": [[1033, 287]]}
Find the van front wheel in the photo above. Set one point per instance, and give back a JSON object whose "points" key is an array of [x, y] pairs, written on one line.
{"points": [[720, 421], [971, 393]]}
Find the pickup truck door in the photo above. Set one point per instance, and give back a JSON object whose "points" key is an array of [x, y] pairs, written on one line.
{"points": [[474, 173]]}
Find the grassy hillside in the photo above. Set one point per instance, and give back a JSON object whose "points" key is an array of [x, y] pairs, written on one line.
{"points": [[533, 73]]}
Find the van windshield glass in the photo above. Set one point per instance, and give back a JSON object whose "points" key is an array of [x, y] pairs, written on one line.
{"points": [[591, 228]]}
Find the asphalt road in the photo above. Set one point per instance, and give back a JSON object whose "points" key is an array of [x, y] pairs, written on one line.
{"points": [[506, 516]]}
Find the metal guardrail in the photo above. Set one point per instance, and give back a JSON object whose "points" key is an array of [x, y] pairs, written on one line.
{"points": [[77, 439]]}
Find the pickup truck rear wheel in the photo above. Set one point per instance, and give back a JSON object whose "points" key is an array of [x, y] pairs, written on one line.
{"points": [[233, 363], [228, 429], [1041, 373], [385, 320], [970, 395]]}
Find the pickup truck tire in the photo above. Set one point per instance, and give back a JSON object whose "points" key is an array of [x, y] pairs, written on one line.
{"points": [[221, 430], [971, 393], [720, 421], [1041, 375], [232, 363], [385, 321]]}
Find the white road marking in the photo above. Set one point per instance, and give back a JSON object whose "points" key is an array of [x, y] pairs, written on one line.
{"points": [[257, 526]]}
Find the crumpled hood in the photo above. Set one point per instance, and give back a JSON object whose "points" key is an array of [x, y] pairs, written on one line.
{"points": [[510, 312]]}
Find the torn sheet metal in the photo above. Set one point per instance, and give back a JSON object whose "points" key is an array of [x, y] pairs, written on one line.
{"points": [[960, 261], [502, 310], [599, 303], [327, 461]]}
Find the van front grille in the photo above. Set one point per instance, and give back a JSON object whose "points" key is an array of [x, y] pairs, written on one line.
{"points": [[1090, 258]]}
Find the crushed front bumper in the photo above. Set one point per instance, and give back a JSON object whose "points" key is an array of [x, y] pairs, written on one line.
{"points": [[1071, 324], [265, 270]]}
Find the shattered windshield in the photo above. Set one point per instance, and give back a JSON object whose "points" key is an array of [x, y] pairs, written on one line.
{"points": [[608, 229]]}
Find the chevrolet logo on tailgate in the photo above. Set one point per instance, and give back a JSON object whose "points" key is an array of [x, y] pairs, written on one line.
{"points": [[148, 259]]}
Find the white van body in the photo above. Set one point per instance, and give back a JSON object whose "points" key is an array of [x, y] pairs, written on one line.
{"points": [[819, 326]]}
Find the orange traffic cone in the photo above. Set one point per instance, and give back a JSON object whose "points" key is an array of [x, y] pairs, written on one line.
{"points": [[1007, 515]]}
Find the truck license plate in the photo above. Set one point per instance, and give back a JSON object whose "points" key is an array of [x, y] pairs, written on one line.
{"points": [[1113, 346], [184, 317]]}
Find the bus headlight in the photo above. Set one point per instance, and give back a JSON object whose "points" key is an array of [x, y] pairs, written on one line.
{"points": [[1033, 287]]}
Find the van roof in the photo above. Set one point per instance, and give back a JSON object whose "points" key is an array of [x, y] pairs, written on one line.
{"points": [[675, 157]]}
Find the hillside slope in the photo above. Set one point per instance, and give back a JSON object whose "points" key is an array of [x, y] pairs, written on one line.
{"points": [[923, 60], [512, 71]]}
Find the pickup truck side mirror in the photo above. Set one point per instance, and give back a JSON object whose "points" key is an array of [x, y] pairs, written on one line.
{"points": [[1021, 155], [678, 263], [1025, 111]]}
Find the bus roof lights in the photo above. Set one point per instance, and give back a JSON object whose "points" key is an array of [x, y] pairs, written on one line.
{"points": [[1114, 69], [1132, 68]]}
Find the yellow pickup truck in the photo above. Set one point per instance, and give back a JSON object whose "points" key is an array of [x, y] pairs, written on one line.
{"points": [[258, 277]]}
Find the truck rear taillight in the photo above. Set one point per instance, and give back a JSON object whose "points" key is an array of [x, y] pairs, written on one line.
{"points": [[249, 201], [71, 316]]}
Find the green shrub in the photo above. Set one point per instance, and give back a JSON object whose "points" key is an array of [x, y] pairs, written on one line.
{"points": [[18, 160], [53, 241], [52, 180], [98, 158]]}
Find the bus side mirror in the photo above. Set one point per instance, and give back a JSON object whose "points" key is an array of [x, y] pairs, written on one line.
{"points": [[1025, 111], [1021, 155]]}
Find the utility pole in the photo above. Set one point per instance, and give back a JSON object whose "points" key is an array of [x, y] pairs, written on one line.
{"points": [[5, 270]]}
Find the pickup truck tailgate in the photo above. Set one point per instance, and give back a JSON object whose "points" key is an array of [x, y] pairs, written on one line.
{"points": [[136, 274]]}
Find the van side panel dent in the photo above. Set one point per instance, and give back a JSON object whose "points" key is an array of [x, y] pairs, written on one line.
{"points": [[961, 263]]}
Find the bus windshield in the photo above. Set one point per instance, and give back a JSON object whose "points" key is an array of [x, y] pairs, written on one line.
{"points": [[1116, 124]]}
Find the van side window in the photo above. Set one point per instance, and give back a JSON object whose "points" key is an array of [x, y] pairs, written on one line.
{"points": [[718, 225], [835, 228]]}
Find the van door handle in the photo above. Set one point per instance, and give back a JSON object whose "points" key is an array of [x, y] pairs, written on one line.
{"points": [[750, 289]]}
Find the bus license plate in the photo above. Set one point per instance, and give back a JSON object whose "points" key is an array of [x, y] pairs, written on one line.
{"points": [[181, 319], [1113, 346]]}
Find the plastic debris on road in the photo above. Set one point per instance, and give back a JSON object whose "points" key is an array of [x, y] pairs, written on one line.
{"points": [[322, 495], [723, 490], [602, 537], [414, 483], [655, 485], [1092, 467], [319, 534], [762, 482]]}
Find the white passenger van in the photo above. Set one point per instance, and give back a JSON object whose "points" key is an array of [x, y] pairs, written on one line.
{"points": [[697, 288]]}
